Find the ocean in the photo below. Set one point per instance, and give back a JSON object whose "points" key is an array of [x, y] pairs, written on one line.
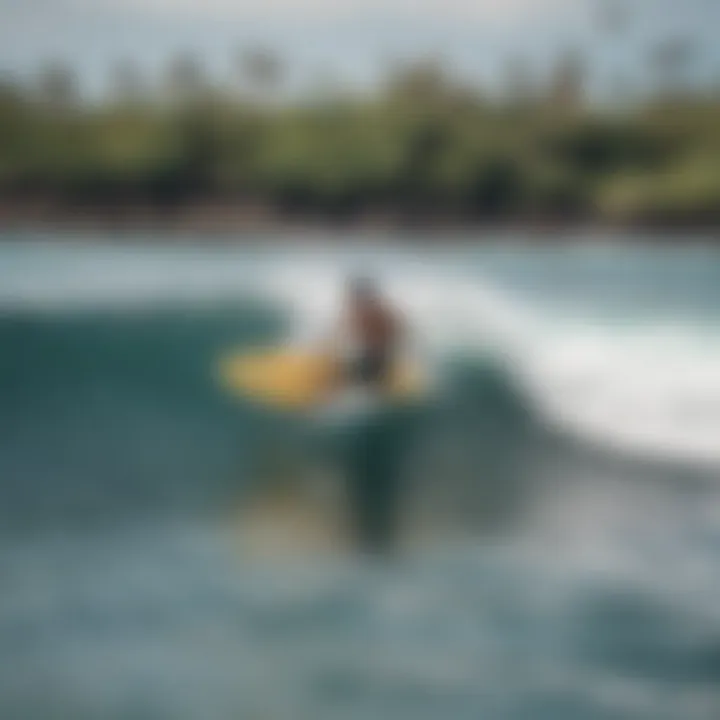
{"points": [[169, 550]]}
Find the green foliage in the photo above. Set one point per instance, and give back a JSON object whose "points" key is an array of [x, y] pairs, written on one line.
{"points": [[685, 192], [422, 144]]}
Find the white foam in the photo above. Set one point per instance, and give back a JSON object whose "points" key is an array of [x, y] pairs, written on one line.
{"points": [[650, 389], [654, 390], [446, 312]]}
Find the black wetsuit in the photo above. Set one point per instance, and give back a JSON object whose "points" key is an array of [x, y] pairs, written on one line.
{"points": [[376, 329], [371, 367]]}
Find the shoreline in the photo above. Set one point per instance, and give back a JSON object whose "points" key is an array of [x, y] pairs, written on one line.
{"points": [[238, 223]]}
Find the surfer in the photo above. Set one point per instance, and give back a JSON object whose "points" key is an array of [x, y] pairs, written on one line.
{"points": [[367, 342], [362, 352], [368, 337]]}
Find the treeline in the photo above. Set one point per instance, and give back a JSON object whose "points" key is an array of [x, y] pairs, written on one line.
{"points": [[422, 145]]}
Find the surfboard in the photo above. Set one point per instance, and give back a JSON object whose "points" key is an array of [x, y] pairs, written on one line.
{"points": [[295, 379]]}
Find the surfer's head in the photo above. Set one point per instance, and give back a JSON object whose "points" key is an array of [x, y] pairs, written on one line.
{"points": [[362, 288]]}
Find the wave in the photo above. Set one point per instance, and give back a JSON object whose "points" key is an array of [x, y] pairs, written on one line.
{"points": [[109, 416], [647, 387], [650, 388]]}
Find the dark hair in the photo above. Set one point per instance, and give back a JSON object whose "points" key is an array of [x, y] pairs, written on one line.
{"points": [[362, 286]]}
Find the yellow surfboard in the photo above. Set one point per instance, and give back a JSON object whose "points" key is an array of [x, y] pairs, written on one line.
{"points": [[297, 379]]}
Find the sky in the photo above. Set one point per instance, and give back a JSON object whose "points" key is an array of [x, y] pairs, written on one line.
{"points": [[348, 40]]}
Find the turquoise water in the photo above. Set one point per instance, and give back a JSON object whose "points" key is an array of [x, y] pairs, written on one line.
{"points": [[560, 538]]}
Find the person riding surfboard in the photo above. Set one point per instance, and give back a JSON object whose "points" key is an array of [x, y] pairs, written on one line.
{"points": [[368, 337], [366, 348]]}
